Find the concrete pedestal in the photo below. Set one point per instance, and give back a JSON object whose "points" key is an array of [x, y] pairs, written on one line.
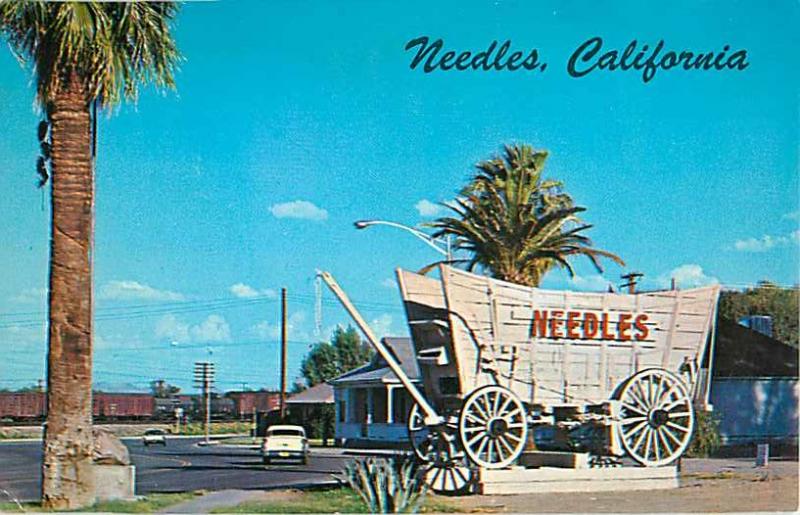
{"points": [[114, 482], [518, 480]]}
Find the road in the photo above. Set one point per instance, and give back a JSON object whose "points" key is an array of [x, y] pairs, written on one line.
{"points": [[180, 466]]}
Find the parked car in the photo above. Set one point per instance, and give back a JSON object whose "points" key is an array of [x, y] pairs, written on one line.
{"points": [[285, 442], [154, 437]]}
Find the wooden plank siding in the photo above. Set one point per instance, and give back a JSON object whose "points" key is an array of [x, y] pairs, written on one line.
{"points": [[487, 328]]}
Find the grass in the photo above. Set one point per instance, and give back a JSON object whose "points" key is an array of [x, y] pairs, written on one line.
{"points": [[341, 500], [217, 428], [147, 504]]}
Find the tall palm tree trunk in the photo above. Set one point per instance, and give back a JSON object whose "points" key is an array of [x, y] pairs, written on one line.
{"points": [[67, 474]]}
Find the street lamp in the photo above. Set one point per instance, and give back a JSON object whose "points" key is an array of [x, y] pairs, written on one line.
{"points": [[434, 243]]}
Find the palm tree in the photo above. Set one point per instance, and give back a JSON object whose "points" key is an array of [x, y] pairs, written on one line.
{"points": [[81, 54], [516, 225]]}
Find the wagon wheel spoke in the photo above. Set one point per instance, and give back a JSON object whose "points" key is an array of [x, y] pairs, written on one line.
{"points": [[482, 446], [663, 439], [678, 427], [474, 428], [667, 396], [481, 409], [505, 444], [503, 408], [682, 414], [631, 420], [475, 419], [477, 438], [496, 408], [635, 430], [672, 405], [641, 438], [637, 409]]}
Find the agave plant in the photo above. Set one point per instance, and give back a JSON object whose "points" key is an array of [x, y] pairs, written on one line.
{"points": [[387, 486]]}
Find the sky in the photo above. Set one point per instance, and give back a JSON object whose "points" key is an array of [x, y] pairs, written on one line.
{"points": [[292, 120]]}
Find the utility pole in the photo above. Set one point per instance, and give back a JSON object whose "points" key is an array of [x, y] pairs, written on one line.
{"points": [[204, 378], [631, 278], [283, 353]]}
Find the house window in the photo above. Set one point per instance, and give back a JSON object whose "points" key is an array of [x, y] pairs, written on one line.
{"points": [[342, 411]]}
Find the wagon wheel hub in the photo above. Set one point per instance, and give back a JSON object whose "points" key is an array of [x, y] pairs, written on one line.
{"points": [[658, 418], [497, 427]]}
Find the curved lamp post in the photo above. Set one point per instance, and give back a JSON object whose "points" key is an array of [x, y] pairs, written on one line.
{"points": [[434, 243]]}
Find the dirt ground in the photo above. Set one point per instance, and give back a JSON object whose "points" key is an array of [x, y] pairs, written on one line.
{"points": [[706, 486]]}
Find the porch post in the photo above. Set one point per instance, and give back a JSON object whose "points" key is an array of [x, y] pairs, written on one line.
{"points": [[370, 406], [389, 407]]}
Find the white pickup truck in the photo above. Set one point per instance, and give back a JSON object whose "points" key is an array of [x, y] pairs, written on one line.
{"points": [[285, 442]]}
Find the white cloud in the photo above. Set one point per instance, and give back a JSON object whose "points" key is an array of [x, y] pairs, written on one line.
{"points": [[212, 329], [132, 290], [31, 296], [244, 291], [382, 325], [686, 276], [301, 209], [170, 328], [428, 209], [767, 242], [389, 283], [794, 215], [295, 328], [591, 282]]}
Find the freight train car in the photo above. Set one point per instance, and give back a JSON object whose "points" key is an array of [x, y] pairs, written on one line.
{"points": [[22, 406], [122, 406]]}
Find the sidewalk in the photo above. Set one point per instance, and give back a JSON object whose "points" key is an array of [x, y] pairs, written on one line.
{"points": [[214, 500]]}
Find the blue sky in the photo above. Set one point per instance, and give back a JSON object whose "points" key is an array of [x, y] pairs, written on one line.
{"points": [[294, 119]]}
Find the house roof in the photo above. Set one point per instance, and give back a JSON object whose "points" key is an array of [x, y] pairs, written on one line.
{"points": [[378, 371], [742, 352], [317, 394]]}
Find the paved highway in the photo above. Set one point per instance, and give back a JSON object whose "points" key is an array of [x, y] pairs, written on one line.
{"points": [[180, 466]]}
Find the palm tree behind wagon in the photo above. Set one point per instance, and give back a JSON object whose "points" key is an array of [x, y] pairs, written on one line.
{"points": [[81, 54], [515, 224]]}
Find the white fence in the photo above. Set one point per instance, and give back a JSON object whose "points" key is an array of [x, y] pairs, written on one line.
{"points": [[756, 409]]}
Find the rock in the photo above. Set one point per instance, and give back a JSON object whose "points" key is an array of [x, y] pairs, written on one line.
{"points": [[108, 449]]}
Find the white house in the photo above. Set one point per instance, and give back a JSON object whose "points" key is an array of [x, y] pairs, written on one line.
{"points": [[371, 403]]}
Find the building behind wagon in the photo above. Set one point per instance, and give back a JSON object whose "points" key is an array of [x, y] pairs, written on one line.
{"points": [[754, 391], [371, 403]]}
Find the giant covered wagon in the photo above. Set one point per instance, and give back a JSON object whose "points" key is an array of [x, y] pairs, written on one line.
{"points": [[614, 373]]}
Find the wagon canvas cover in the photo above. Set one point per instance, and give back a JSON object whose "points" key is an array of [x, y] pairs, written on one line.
{"points": [[550, 347]]}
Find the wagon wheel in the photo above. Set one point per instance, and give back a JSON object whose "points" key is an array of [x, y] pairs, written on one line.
{"points": [[418, 433], [656, 417], [446, 470], [493, 427]]}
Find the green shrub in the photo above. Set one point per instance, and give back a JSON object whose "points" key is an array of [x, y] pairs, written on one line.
{"points": [[706, 439], [387, 486]]}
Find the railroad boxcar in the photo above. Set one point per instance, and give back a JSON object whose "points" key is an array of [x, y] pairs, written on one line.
{"points": [[22, 405], [122, 405]]}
